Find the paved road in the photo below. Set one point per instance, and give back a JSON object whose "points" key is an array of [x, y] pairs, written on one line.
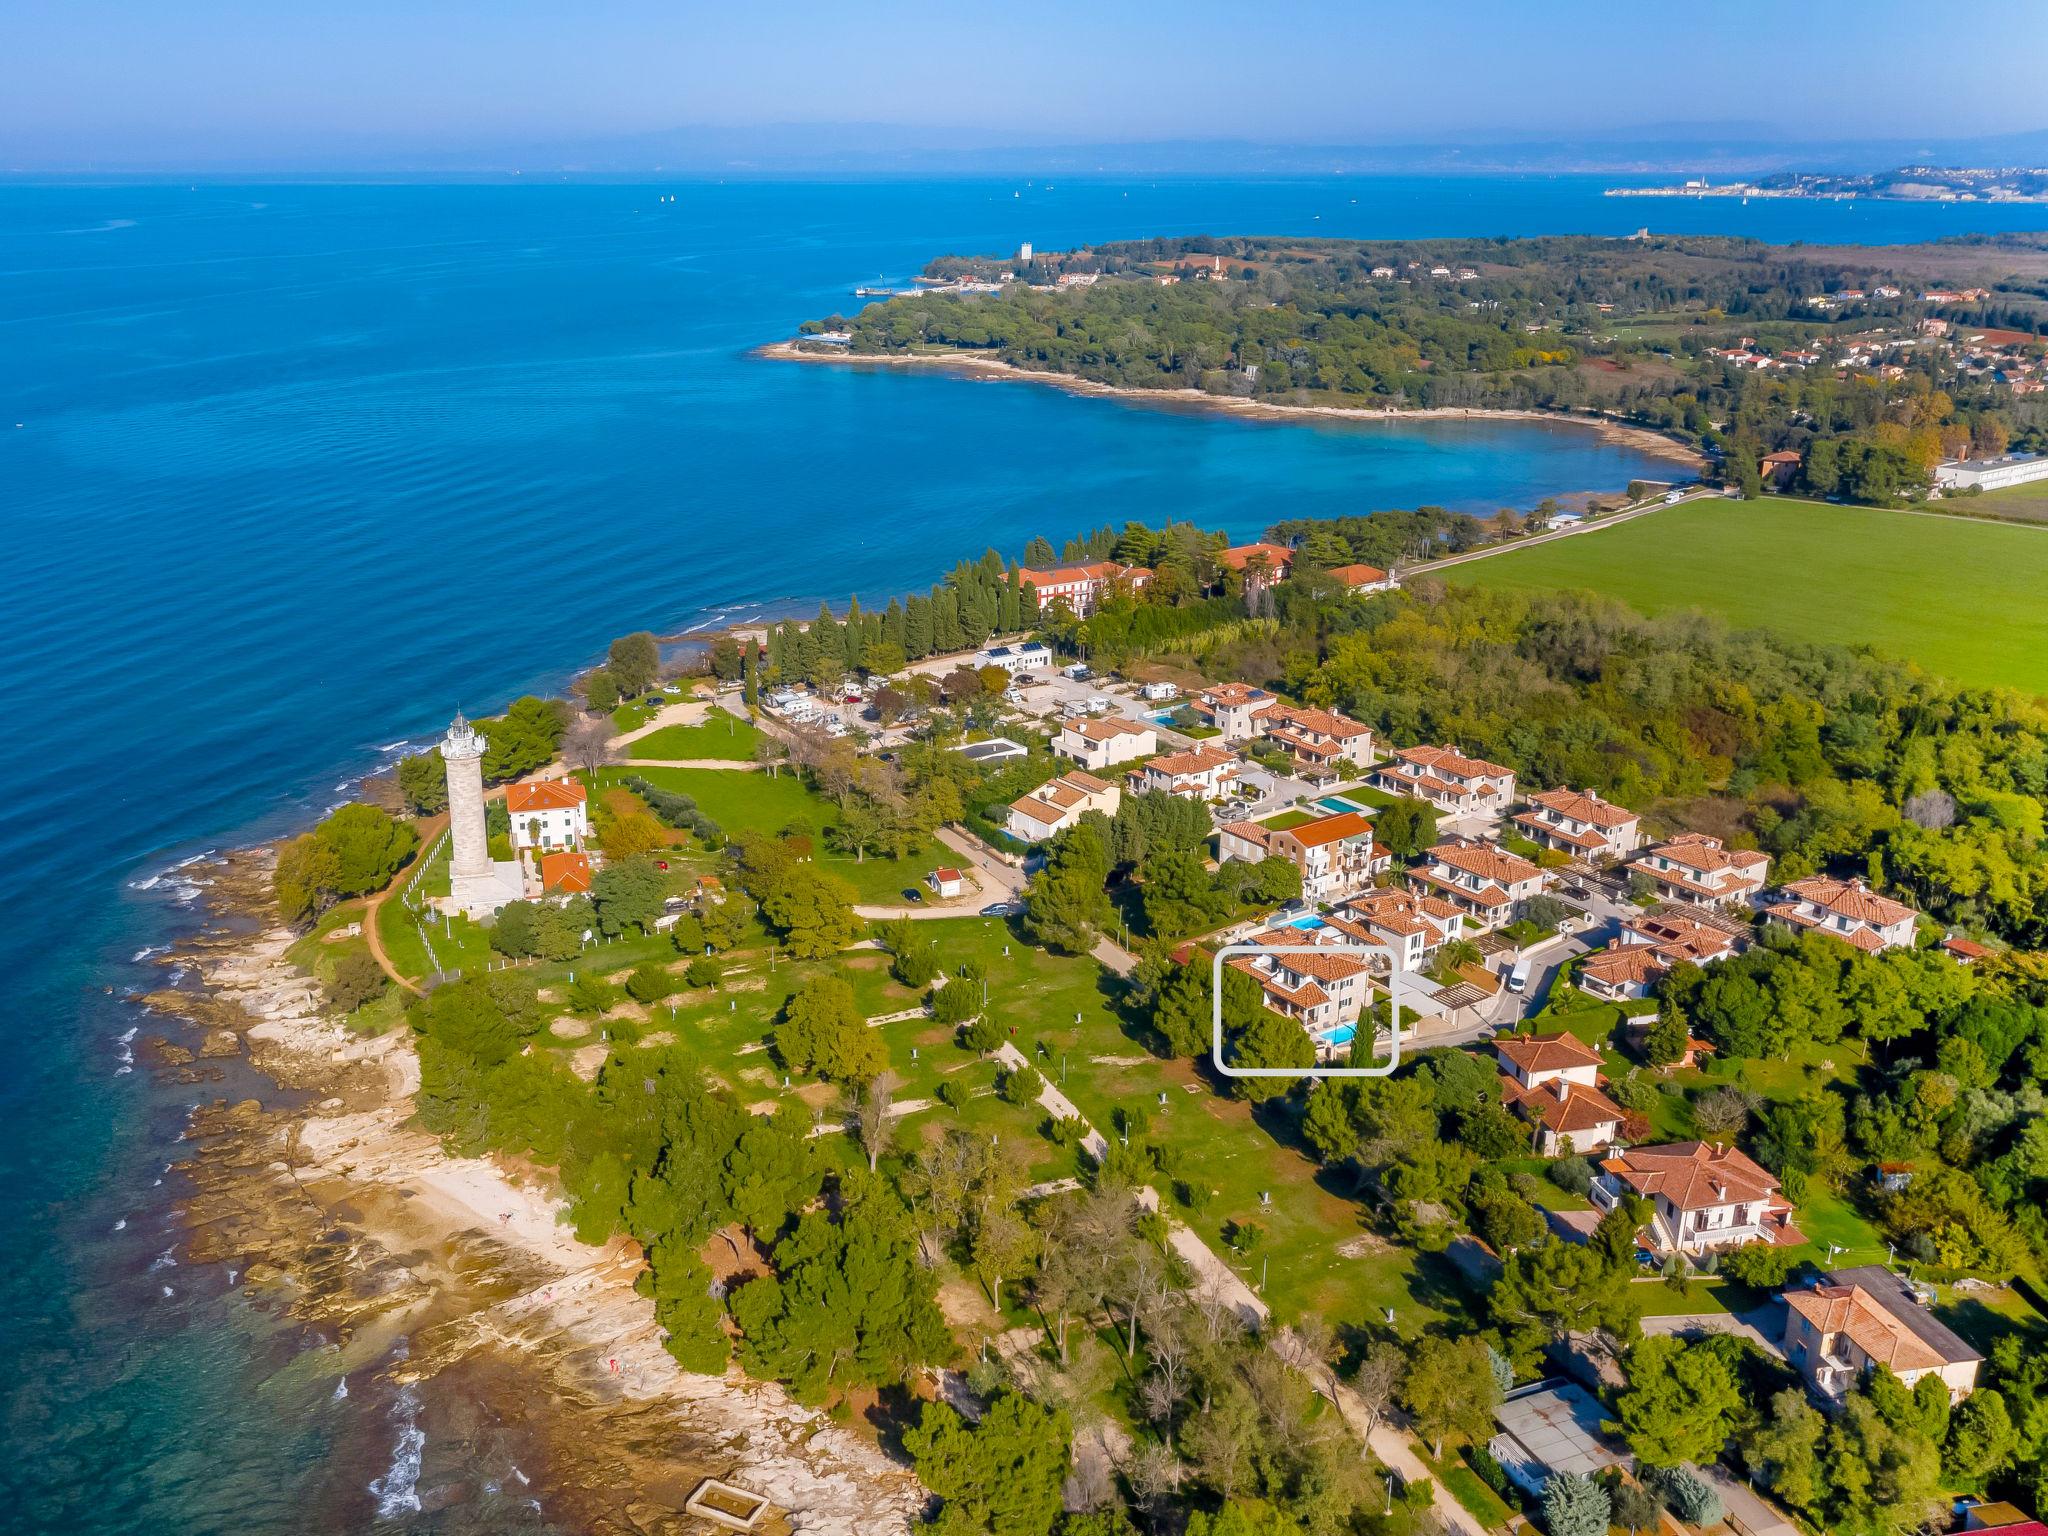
{"points": [[1613, 520]]}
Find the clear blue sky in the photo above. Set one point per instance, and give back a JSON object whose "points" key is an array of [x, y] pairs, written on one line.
{"points": [[82, 79]]}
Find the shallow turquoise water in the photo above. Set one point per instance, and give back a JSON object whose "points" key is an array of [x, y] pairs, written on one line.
{"points": [[298, 469]]}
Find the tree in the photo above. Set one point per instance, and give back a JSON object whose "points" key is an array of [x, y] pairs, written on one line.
{"points": [[523, 738], [357, 980], [628, 896], [726, 664], [1883, 1476], [1551, 1289], [423, 782], [1450, 1389], [1981, 1437], [1271, 1040], [369, 847], [1405, 827], [1378, 1378], [687, 1307], [1680, 1401], [649, 983], [823, 1031], [768, 1176], [871, 1119], [1066, 911], [634, 662], [1632, 1507], [600, 691], [1575, 1506], [813, 910], [305, 877], [587, 745], [631, 836], [1003, 1475]]}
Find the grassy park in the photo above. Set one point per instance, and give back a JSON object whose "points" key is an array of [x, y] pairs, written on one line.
{"points": [[721, 738], [1958, 595]]}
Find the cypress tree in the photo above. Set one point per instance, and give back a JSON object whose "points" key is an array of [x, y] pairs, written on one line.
{"points": [[917, 627]]}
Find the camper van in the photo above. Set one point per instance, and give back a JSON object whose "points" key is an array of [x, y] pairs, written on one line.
{"points": [[1518, 978]]}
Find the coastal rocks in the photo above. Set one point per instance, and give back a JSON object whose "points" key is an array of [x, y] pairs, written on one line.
{"points": [[457, 1280]]}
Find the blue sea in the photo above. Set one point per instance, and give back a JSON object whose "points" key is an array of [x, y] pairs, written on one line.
{"points": [[289, 472]]}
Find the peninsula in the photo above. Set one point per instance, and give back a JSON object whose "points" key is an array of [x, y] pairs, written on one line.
{"points": [[1907, 184], [1723, 346]]}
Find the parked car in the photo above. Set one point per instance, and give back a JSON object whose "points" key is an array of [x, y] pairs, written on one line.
{"points": [[912, 893], [1003, 909]]}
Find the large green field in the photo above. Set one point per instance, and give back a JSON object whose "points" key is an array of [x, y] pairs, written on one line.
{"points": [[1963, 597]]}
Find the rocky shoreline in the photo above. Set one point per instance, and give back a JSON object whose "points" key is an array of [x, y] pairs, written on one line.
{"points": [[1641, 438], [453, 1276]]}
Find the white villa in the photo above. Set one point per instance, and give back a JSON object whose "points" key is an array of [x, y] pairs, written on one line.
{"points": [[1703, 1196], [1482, 880], [1319, 738], [1105, 742], [1695, 868], [1847, 910], [1201, 773], [1645, 949], [1335, 854], [547, 815], [1553, 1082], [1448, 780], [1580, 823], [1411, 925], [1324, 993], [1055, 806], [1235, 709]]}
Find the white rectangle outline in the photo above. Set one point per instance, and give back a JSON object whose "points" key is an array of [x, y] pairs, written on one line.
{"points": [[1394, 974]]}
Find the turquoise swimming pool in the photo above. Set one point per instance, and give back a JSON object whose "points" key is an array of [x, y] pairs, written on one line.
{"points": [[1338, 805], [1342, 1034], [1307, 924]]}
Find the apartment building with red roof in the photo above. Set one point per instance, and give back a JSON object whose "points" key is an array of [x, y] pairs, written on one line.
{"points": [[547, 815], [1448, 780], [1201, 773], [1320, 740], [1409, 923], [1336, 855], [1840, 1331], [1698, 869], [1482, 880], [1580, 823], [1082, 588], [1847, 910], [1103, 742], [1237, 710]]}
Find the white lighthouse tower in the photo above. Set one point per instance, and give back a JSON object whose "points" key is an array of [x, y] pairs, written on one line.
{"points": [[476, 885]]}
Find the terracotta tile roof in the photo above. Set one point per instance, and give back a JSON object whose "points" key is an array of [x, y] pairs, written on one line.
{"points": [[1232, 695], [1321, 722], [1197, 760], [1580, 806], [1546, 1053], [1450, 761], [1966, 949], [1330, 829], [1069, 575], [1870, 1325], [1851, 899], [1693, 1175], [1564, 1109], [1107, 729], [1697, 851], [1250, 832], [1082, 780], [1036, 809], [1358, 575], [1278, 556], [1625, 965], [567, 872], [545, 795], [1485, 861]]}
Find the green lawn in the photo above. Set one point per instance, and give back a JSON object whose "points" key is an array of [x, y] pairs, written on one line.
{"points": [[723, 737], [1960, 596], [1288, 819], [773, 803]]}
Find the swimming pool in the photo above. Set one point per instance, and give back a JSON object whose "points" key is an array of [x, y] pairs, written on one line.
{"points": [[1307, 924], [1339, 805], [1162, 716], [1342, 1034]]}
